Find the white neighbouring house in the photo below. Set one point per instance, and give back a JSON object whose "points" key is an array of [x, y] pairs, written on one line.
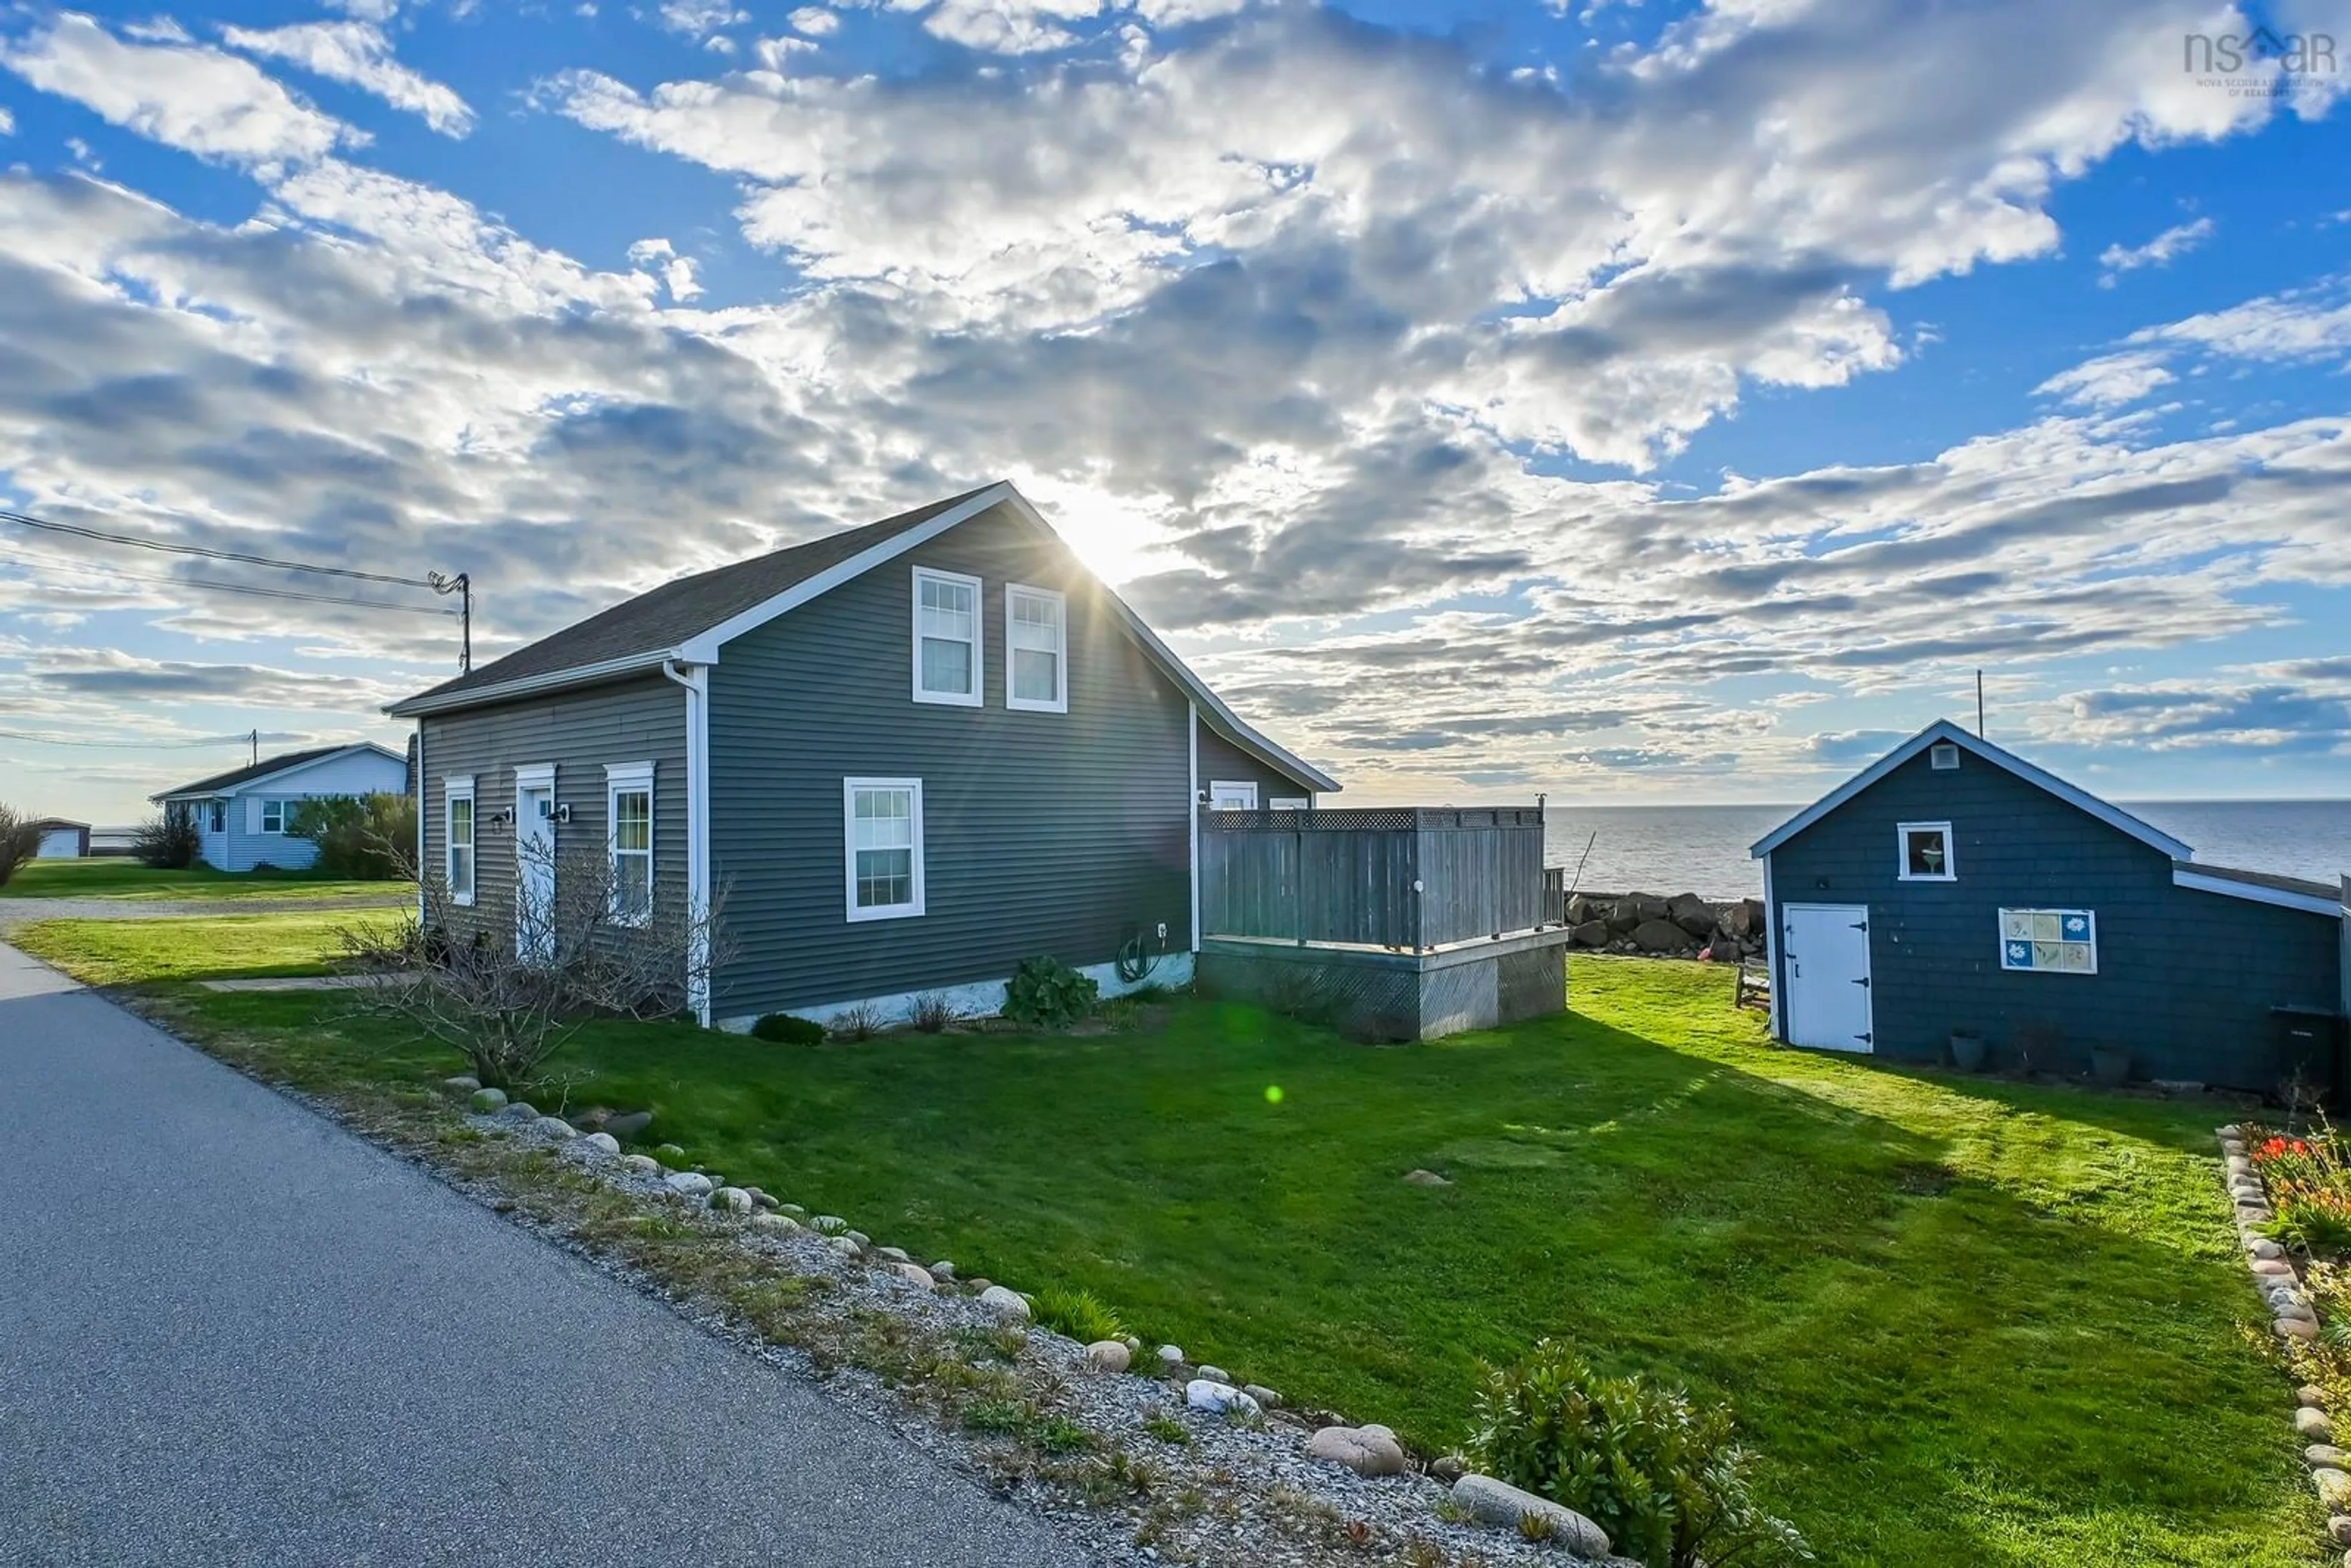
{"points": [[241, 816]]}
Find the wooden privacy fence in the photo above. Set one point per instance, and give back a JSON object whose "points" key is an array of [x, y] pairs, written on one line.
{"points": [[1411, 877]]}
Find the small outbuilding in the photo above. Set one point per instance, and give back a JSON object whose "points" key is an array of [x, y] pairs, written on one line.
{"points": [[61, 840], [1952, 888]]}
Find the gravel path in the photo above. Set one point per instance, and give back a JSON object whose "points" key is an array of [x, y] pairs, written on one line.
{"points": [[14, 912], [232, 1332]]}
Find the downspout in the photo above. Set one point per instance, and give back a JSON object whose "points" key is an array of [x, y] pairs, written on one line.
{"points": [[695, 679], [1771, 946], [1192, 816], [418, 784]]}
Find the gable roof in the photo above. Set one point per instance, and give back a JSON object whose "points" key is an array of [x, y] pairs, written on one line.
{"points": [[270, 766], [1943, 729], [688, 621]]}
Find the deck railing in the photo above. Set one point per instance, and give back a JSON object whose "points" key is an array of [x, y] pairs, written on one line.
{"points": [[1409, 877]]}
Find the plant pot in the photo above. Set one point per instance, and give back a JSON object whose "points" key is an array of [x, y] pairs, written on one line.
{"points": [[1967, 1052], [2110, 1066]]}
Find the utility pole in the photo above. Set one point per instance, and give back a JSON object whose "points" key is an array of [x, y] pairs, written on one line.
{"points": [[461, 585], [1979, 705], [256, 738]]}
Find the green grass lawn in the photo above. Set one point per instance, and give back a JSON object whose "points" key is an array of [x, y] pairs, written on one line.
{"points": [[1961, 1321], [192, 947], [121, 877]]}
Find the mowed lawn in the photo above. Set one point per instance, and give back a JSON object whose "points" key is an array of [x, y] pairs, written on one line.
{"points": [[1960, 1322], [192, 947], [116, 877]]}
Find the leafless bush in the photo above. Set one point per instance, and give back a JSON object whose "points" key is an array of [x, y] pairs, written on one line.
{"points": [[863, 1022], [508, 983], [934, 1012], [20, 841]]}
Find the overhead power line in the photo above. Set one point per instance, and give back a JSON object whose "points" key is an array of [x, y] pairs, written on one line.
{"points": [[95, 569], [126, 745], [208, 551]]}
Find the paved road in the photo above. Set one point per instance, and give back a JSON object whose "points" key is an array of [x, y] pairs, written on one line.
{"points": [[232, 1332]]}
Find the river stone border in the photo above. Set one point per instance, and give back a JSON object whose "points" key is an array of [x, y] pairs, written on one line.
{"points": [[1257, 1461], [2294, 1319]]}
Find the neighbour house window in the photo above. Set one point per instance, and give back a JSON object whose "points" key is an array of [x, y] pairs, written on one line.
{"points": [[2049, 941], [947, 638], [1926, 849], [883, 823], [1232, 795], [457, 799], [272, 816], [629, 799], [220, 816], [1036, 643]]}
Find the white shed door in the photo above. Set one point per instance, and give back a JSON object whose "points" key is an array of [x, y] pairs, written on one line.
{"points": [[1825, 948], [60, 845]]}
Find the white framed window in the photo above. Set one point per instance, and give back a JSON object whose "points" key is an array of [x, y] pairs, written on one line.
{"points": [[882, 829], [220, 816], [1289, 803], [272, 816], [1943, 756], [2049, 941], [1036, 650], [947, 638], [628, 814], [1231, 795], [458, 846], [1926, 852]]}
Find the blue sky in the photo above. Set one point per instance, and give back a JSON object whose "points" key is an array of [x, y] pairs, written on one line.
{"points": [[1636, 402]]}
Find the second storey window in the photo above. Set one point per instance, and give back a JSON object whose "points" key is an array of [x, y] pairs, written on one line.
{"points": [[1036, 650], [946, 637], [457, 796], [884, 831], [629, 797]]}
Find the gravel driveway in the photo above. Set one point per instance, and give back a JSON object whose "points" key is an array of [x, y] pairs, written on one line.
{"points": [[14, 912], [232, 1332]]}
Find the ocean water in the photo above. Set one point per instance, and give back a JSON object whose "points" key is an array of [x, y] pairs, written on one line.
{"points": [[1703, 849]]}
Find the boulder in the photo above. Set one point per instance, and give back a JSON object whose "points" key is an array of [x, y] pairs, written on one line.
{"points": [[1624, 915], [914, 1274], [463, 1083], [1589, 934], [2334, 1487], [2299, 1329], [642, 1164], [2310, 1394], [2338, 1530], [1266, 1397], [732, 1200], [598, 1143], [1659, 937], [843, 1245], [2322, 1457], [2314, 1424], [776, 1222], [1109, 1356], [1425, 1178], [897, 1255], [592, 1119], [1692, 913], [1365, 1453], [1217, 1398], [521, 1110], [1449, 1468], [1171, 1359], [943, 1271], [690, 1184], [556, 1127], [669, 1152], [1500, 1503], [1009, 1305], [1581, 909], [1216, 1374], [488, 1101], [1740, 919]]}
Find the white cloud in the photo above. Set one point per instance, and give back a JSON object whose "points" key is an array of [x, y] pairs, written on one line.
{"points": [[1008, 26], [815, 21], [190, 96], [7, 121], [677, 273], [2160, 251], [2110, 381], [357, 54], [700, 19]]}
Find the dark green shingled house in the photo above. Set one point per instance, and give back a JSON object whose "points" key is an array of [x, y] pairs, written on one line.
{"points": [[1952, 887], [908, 755]]}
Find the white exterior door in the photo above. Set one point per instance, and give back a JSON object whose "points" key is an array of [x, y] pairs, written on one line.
{"points": [[535, 870], [1224, 795], [1825, 948], [60, 845]]}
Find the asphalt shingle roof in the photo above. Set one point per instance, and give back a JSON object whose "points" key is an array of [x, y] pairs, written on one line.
{"points": [[665, 616], [2261, 878]]}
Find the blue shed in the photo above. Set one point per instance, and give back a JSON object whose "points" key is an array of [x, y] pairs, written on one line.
{"points": [[1953, 887]]}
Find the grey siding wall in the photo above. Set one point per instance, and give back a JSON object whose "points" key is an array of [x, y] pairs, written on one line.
{"points": [[2185, 980], [634, 721], [1043, 832], [1220, 758]]}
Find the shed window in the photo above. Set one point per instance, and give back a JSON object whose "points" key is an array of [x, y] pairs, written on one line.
{"points": [[628, 805], [1943, 756], [2049, 941], [1036, 643], [272, 816], [458, 803], [947, 638], [883, 820], [1926, 849]]}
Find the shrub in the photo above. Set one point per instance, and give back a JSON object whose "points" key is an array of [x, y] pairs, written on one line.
{"points": [[934, 1012], [863, 1022], [1045, 993], [363, 838], [1080, 1314], [2309, 1183], [20, 841], [168, 842], [788, 1029], [1662, 1478]]}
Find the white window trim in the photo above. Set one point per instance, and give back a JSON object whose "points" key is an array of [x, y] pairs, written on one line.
{"points": [[628, 778], [1232, 786], [1902, 831], [848, 788], [978, 639], [1289, 803], [280, 829], [1060, 699], [454, 788]]}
